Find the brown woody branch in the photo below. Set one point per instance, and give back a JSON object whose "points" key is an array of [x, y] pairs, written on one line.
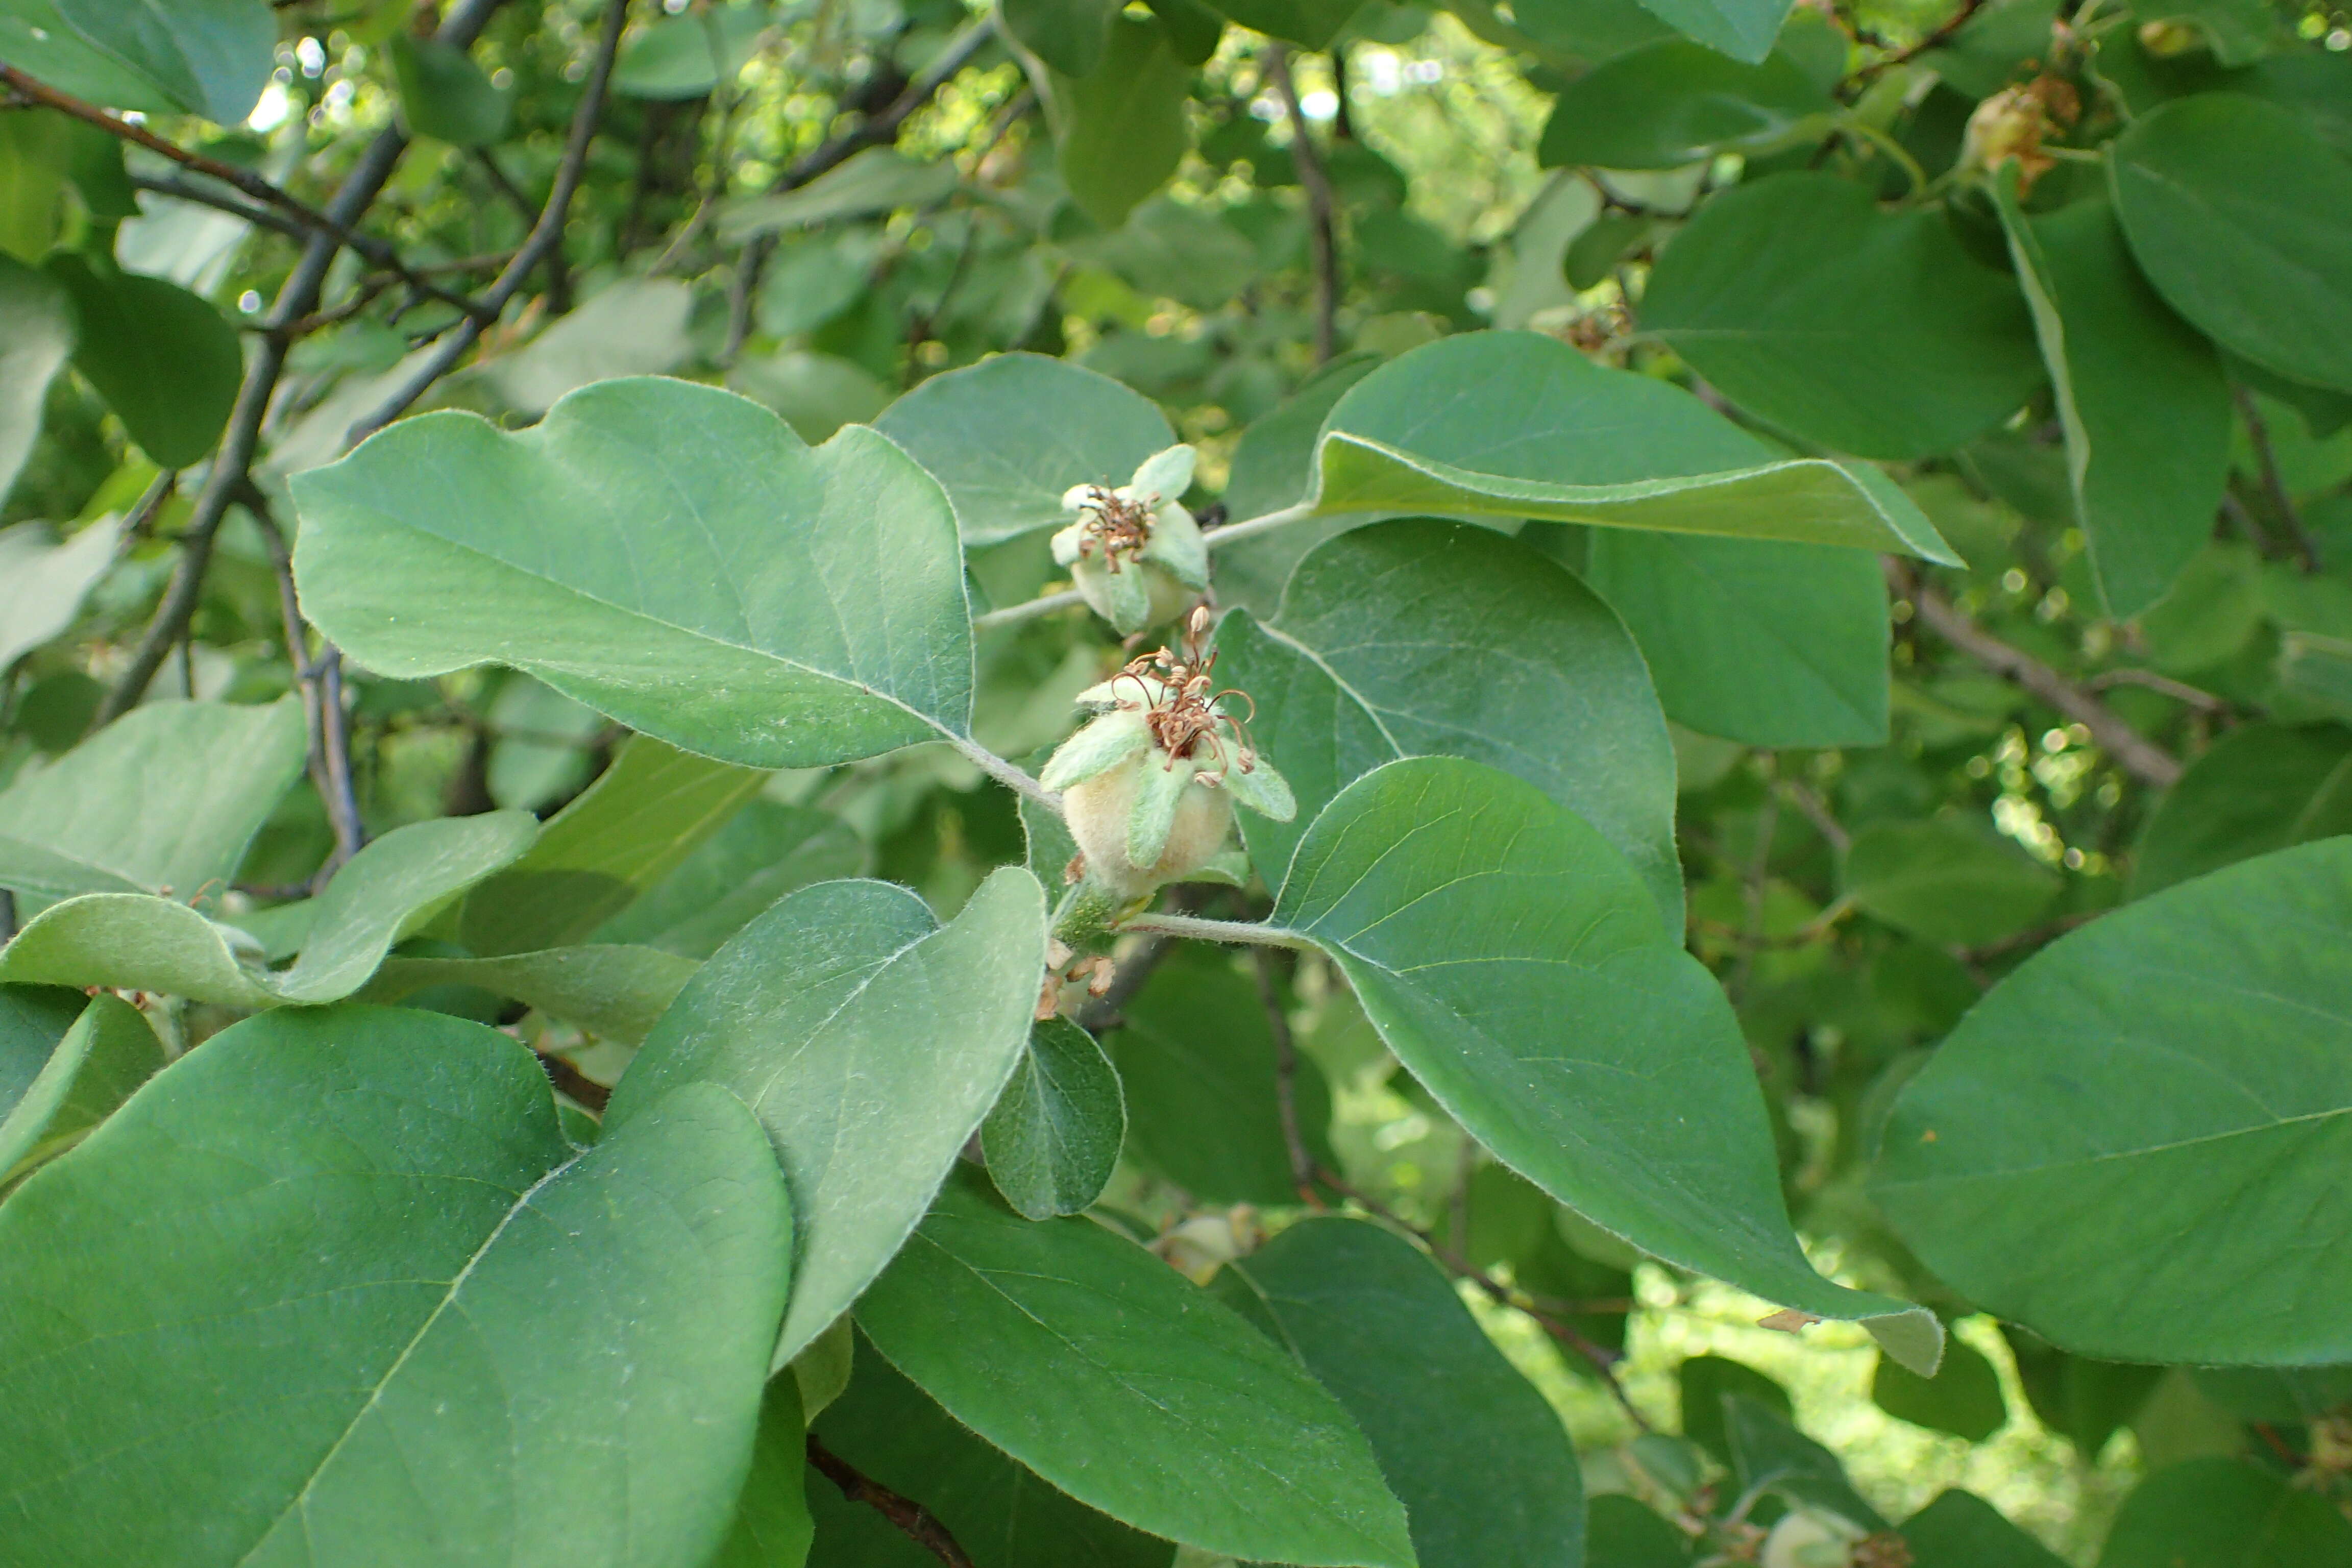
{"points": [[919, 1523], [322, 695], [2138, 756], [1321, 230]]}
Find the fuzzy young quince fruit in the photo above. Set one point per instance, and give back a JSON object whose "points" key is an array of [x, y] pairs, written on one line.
{"points": [[1135, 554]]}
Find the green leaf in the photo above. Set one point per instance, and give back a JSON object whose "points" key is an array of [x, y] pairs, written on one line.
{"points": [[1768, 1454], [334, 1289], [864, 184], [43, 582], [1485, 1471], [1945, 882], [871, 1042], [162, 801], [1309, 24], [1472, 915], [165, 361], [1621, 1533], [637, 327], [445, 94], [2261, 787], [1752, 639], [2141, 398], [1070, 36], [643, 818], [2083, 1401], [816, 394], [1744, 29], [2162, 1097], [1121, 132], [765, 852], [35, 39], [1000, 1515], [1677, 102], [1197, 1056], [211, 57], [1963, 1397], [1518, 425], [2224, 1513], [1960, 1529], [613, 992], [771, 1527], [1055, 1134], [2243, 218], [1168, 1412], [1420, 639], [687, 56], [1586, 30], [670, 555], [387, 891], [32, 1019], [1872, 332], [108, 1052], [1707, 1384], [1006, 437], [37, 335]]}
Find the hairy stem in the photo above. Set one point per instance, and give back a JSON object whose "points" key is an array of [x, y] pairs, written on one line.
{"points": [[1266, 522], [1245, 932]]}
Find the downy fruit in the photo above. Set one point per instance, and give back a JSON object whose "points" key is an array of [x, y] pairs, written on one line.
{"points": [[1135, 554]]}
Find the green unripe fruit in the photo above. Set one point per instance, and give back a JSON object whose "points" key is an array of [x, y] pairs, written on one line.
{"points": [[1103, 812]]}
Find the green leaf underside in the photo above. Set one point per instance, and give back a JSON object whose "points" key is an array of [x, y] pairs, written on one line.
{"points": [[1484, 1469], [766, 851], [1007, 437], [870, 1041], [1055, 1135], [998, 1513], [1517, 424], [108, 1052], [163, 800], [1413, 638], [1514, 965], [669, 554], [338, 1290], [144, 943], [1871, 332], [612, 991], [2135, 1144], [42, 581], [2141, 399], [1169, 1412]]}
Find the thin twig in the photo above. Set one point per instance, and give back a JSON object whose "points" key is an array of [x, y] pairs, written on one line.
{"points": [[916, 1522], [1006, 773], [545, 235], [1244, 932], [297, 297], [1286, 1073], [2137, 755], [1045, 605], [2033, 938], [2258, 434], [320, 676], [559, 271], [1322, 231], [142, 516], [2178, 691], [1816, 812]]}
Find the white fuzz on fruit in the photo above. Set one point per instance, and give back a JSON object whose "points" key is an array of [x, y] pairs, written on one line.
{"points": [[1135, 554]]}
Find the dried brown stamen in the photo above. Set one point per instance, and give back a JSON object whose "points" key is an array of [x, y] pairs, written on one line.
{"points": [[1115, 525]]}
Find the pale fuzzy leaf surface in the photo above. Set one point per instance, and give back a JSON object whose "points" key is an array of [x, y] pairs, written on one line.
{"points": [[871, 1042], [1518, 425], [1055, 1135], [2241, 216], [36, 334], [2135, 1145], [2141, 398], [1002, 1514], [338, 1290], [669, 554], [43, 581], [108, 1052], [643, 818], [634, 327], [1418, 637], [163, 800], [1167, 1411], [614, 992], [1007, 437], [765, 852], [1514, 963], [1872, 332], [1481, 1463]]}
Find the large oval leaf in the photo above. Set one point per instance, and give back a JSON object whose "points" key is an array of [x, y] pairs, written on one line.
{"points": [[163, 801], [1514, 965], [2242, 218], [334, 1289], [1007, 437], [1417, 639], [670, 555], [1167, 1412], [1677, 102], [166, 362], [1518, 425], [1870, 331], [871, 1042], [1480, 1461], [2135, 1144], [1053, 1137]]}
